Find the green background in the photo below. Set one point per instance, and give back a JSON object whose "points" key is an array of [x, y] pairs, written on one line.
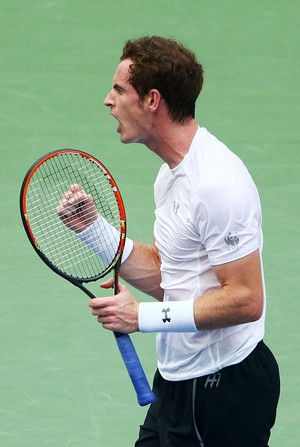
{"points": [[62, 382]]}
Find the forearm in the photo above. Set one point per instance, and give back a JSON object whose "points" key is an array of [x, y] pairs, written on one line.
{"points": [[222, 308], [142, 270]]}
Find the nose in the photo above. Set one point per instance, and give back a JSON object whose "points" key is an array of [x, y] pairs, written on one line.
{"points": [[109, 101]]}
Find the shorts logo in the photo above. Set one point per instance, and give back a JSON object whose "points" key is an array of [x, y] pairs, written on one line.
{"points": [[213, 380], [232, 239]]}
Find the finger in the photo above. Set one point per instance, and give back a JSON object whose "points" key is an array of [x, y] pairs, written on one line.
{"points": [[76, 188], [73, 191], [62, 203], [95, 303], [107, 324], [60, 207], [102, 304], [78, 198], [109, 284]]}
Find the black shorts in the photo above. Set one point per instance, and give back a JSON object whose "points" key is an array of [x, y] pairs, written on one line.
{"points": [[235, 407]]}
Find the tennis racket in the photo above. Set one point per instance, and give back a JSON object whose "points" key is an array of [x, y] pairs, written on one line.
{"points": [[55, 235]]}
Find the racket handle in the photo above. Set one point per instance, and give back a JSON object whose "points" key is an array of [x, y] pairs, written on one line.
{"points": [[135, 370]]}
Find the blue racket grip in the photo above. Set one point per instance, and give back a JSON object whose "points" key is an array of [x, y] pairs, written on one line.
{"points": [[135, 370]]}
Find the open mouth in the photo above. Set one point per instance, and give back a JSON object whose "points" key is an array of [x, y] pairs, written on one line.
{"points": [[119, 124]]}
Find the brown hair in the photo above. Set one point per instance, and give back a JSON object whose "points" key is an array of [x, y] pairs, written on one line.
{"points": [[166, 65]]}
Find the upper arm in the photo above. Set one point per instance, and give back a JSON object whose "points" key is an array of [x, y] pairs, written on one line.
{"points": [[238, 300], [242, 282]]}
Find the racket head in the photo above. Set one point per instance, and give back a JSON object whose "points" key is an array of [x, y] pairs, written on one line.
{"points": [[57, 245]]}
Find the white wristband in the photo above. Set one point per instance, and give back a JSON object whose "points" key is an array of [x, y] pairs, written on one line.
{"points": [[104, 239], [167, 316]]}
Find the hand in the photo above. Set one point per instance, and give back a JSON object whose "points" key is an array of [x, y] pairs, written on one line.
{"points": [[118, 313], [77, 209]]}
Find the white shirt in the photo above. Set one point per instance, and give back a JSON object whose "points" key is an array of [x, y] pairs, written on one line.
{"points": [[207, 213]]}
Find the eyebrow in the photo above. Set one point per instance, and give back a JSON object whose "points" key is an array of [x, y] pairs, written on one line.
{"points": [[118, 87]]}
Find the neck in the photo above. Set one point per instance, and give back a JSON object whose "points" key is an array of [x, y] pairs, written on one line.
{"points": [[171, 141]]}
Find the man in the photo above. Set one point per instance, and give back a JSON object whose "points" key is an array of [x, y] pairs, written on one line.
{"points": [[217, 384]]}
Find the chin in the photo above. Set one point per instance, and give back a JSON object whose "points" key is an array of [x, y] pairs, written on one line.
{"points": [[130, 138], [126, 139], [123, 139]]}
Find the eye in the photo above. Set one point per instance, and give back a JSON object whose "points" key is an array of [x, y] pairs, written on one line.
{"points": [[118, 89]]}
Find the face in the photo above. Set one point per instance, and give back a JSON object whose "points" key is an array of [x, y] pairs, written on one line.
{"points": [[126, 106]]}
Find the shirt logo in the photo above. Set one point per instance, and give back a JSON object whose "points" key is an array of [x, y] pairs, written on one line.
{"points": [[232, 239], [175, 207]]}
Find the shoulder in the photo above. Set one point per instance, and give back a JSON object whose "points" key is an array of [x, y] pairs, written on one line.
{"points": [[212, 157]]}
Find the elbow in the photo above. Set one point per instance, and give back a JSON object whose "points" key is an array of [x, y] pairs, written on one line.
{"points": [[255, 308]]}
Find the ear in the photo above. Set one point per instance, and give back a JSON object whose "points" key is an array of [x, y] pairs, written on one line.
{"points": [[154, 98]]}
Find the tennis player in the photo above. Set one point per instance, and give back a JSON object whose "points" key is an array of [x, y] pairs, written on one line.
{"points": [[217, 383]]}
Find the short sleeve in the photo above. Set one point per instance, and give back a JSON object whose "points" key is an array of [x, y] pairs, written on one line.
{"points": [[227, 214]]}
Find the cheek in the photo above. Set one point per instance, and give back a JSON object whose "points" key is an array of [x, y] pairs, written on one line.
{"points": [[133, 120]]}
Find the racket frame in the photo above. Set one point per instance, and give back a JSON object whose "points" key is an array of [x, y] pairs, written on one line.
{"points": [[116, 262], [144, 393]]}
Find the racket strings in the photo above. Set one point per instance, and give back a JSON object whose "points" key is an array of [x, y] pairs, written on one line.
{"points": [[57, 242]]}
